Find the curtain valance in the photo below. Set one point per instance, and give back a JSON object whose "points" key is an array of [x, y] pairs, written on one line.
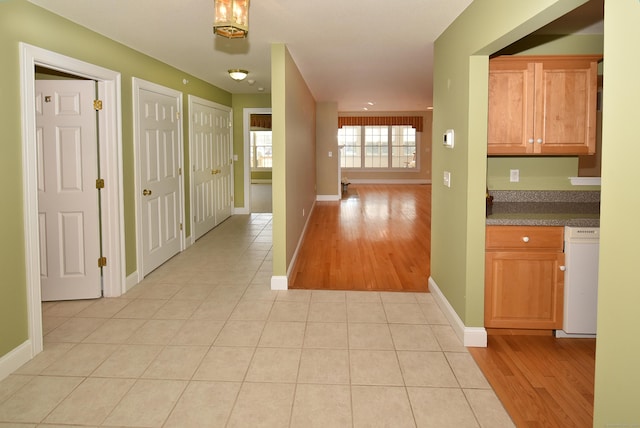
{"points": [[261, 121], [413, 121]]}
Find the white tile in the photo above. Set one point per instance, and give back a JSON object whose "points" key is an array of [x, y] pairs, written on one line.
{"points": [[147, 403], [204, 405], [322, 406], [441, 407], [374, 368], [381, 406], [276, 400]]}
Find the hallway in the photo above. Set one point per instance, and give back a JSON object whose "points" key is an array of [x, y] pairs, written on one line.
{"points": [[378, 237], [204, 342]]}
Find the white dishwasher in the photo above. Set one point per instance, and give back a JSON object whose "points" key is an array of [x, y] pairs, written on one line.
{"points": [[581, 247]]}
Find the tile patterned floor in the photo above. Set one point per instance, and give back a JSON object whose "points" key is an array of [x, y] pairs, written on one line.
{"points": [[204, 342]]}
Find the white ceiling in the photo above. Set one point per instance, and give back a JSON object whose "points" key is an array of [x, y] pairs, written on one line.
{"points": [[352, 52]]}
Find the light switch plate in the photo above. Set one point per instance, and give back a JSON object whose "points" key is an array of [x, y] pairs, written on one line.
{"points": [[447, 179], [514, 175]]}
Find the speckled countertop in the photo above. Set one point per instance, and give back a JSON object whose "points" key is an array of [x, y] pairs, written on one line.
{"points": [[544, 208]]}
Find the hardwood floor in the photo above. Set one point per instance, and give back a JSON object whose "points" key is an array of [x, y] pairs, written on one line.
{"points": [[377, 237], [542, 381]]}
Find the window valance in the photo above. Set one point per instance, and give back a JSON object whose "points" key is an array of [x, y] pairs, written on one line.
{"points": [[261, 121], [413, 121]]}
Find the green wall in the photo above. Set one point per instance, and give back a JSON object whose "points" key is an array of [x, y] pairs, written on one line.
{"points": [[21, 21], [460, 91], [294, 156], [239, 103], [618, 345], [460, 103]]}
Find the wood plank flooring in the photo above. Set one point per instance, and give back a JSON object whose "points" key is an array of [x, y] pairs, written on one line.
{"points": [[377, 237], [542, 381]]}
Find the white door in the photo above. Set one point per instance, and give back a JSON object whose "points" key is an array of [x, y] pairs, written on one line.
{"points": [[159, 151], [203, 171], [67, 147], [223, 161]]}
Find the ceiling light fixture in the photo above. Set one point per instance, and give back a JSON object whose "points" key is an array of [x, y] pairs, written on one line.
{"points": [[237, 74], [231, 18]]}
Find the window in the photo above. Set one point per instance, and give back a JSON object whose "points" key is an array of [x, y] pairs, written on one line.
{"points": [[378, 147], [260, 144]]}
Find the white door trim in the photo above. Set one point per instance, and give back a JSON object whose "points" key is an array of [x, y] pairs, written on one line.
{"points": [[110, 166], [246, 118], [191, 100], [137, 85]]}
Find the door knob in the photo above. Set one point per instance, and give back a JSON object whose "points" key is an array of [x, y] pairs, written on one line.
{"points": [[146, 192]]}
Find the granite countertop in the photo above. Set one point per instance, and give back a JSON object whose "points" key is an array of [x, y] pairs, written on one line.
{"points": [[545, 208]]}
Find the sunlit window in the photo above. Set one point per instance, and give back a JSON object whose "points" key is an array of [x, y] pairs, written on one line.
{"points": [[378, 147], [261, 156]]}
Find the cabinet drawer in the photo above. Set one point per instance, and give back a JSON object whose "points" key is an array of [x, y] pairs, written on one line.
{"points": [[525, 238]]}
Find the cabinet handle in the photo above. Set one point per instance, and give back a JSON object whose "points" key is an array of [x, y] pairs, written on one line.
{"points": [[563, 268], [539, 140], [525, 239], [530, 140]]}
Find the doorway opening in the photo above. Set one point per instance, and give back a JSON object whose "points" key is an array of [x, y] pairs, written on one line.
{"points": [[258, 160], [110, 164]]}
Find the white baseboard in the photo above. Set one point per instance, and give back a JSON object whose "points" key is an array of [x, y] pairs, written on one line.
{"points": [[241, 211], [15, 358], [279, 282], [328, 197], [475, 337], [131, 281], [388, 181]]}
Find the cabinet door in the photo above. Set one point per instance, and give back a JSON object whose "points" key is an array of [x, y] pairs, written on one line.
{"points": [[566, 114], [524, 290], [511, 92]]}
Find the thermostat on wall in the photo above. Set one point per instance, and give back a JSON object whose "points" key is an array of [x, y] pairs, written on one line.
{"points": [[447, 139]]}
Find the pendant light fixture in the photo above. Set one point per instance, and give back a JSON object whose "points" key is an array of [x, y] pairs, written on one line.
{"points": [[238, 74], [231, 18]]}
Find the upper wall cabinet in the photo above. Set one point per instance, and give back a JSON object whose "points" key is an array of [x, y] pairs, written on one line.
{"points": [[542, 105]]}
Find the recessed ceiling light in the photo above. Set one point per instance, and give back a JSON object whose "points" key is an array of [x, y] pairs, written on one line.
{"points": [[370, 103]]}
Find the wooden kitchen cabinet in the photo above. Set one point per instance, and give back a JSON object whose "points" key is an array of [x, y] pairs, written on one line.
{"points": [[542, 105], [524, 277]]}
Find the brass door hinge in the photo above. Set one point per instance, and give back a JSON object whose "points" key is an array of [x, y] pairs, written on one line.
{"points": [[100, 183], [102, 262], [97, 104], [180, 226]]}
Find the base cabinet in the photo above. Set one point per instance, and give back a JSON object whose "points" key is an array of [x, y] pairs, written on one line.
{"points": [[524, 277]]}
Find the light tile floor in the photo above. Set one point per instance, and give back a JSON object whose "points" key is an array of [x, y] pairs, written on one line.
{"points": [[204, 342]]}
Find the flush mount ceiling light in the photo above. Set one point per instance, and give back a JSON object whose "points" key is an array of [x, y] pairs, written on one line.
{"points": [[237, 74], [231, 18]]}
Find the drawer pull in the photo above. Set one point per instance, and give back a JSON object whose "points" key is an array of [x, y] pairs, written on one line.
{"points": [[525, 239]]}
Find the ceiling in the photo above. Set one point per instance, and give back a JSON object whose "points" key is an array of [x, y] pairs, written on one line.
{"points": [[372, 54]]}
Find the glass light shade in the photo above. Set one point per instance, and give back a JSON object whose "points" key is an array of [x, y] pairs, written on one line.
{"points": [[237, 74], [231, 18]]}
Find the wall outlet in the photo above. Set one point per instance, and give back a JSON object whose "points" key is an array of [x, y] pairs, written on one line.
{"points": [[447, 179], [514, 175]]}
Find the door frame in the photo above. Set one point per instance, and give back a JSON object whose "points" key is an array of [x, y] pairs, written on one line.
{"points": [[112, 206], [191, 100], [137, 85], [246, 124]]}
